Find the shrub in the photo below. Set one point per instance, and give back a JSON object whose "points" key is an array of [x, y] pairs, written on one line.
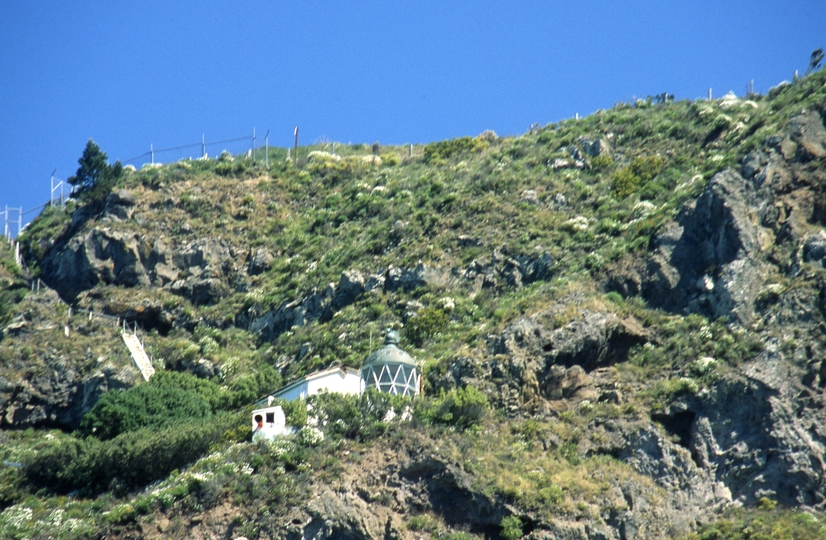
{"points": [[647, 167], [425, 325], [144, 406], [128, 461], [461, 407], [390, 158], [422, 522], [625, 182], [511, 527], [362, 417], [602, 162], [630, 179], [252, 387], [218, 398], [443, 150]]}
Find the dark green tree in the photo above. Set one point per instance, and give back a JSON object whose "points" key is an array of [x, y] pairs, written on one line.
{"points": [[95, 176], [92, 165]]}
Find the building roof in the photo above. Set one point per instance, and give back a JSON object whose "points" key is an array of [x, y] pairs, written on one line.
{"points": [[342, 370], [390, 353]]}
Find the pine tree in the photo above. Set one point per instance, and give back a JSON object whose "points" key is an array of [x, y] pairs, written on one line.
{"points": [[92, 165], [95, 177]]}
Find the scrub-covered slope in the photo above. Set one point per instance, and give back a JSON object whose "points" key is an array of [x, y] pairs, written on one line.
{"points": [[620, 320]]}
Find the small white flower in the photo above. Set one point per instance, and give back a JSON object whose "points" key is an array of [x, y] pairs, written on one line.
{"points": [[579, 223], [447, 303]]}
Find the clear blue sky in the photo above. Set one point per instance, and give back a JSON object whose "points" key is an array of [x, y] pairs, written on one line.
{"points": [[128, 74]]}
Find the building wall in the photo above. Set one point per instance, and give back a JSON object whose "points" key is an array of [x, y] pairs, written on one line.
{"points": [[295, 392], [349, 383], [342, 383], [273, 422]]}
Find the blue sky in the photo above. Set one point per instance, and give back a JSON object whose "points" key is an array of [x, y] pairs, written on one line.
{"points": [[133, 74]]}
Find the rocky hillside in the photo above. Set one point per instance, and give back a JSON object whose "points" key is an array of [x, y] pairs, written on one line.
{"points": [[621, 320]]}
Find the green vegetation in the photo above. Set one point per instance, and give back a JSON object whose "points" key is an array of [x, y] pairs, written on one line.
{"points": [[459, 207], [144, 406], [464, 408], [95, 178], [129, 460], [764, 523], [511, 528]]}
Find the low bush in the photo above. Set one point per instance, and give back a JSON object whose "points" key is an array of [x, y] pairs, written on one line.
{"points": [[443, 150], [630, 179], [144, 406], [362, 417], [511, 527], [460, 407], [425, 325], [128, 461]]}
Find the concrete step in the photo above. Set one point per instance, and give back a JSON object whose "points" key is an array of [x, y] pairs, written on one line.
{"points": [[138, 355]]}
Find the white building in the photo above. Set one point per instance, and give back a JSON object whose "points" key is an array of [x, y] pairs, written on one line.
{"points": [[343, 380], [268, 422]]}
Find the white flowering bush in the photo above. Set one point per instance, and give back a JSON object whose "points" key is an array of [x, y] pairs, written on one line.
{"points": [[310, 436], [15, 518], [578, 223], [703, 365]]}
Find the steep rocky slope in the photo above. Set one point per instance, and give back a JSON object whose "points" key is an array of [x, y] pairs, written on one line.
{"points": [[638, 295]]}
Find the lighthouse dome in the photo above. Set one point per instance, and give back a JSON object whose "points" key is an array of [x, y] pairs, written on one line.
{"points": [[391, 369]]}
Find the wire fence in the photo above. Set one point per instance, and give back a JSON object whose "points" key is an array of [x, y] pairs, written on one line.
{"points": [[199, 150], [255, 146]]}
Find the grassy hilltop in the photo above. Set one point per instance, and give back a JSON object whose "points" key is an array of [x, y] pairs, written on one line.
{"points": [[619, 319]]}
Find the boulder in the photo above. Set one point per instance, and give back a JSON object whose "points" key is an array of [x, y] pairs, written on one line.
{"points": [[409, 279], [259, 261], [596, 148], [814, 248], [102, 255], [808, 132]]}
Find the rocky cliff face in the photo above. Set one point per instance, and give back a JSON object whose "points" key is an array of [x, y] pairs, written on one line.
{"points": [[747, 254], [56, 384]]}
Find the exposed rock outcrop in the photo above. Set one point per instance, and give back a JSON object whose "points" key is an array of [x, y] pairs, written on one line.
{"points": [[535, 367], [321, 305], [711, 261], [200, 271]]}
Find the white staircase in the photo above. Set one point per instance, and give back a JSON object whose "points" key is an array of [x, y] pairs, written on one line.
{"points": [[138, 355]]}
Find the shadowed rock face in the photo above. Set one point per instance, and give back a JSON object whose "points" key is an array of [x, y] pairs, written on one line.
{"points": [[535, 368], [200, 271], [710, 261]]}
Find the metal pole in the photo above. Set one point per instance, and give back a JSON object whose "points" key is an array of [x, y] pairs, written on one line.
{"points": [[253, 144], [267, 149], [709, 94], [6, 233], [203, 146], [51, 195], [296, 146]]}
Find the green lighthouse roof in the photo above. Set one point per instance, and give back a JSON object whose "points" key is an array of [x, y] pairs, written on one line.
{"points": [[390, 353]]}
